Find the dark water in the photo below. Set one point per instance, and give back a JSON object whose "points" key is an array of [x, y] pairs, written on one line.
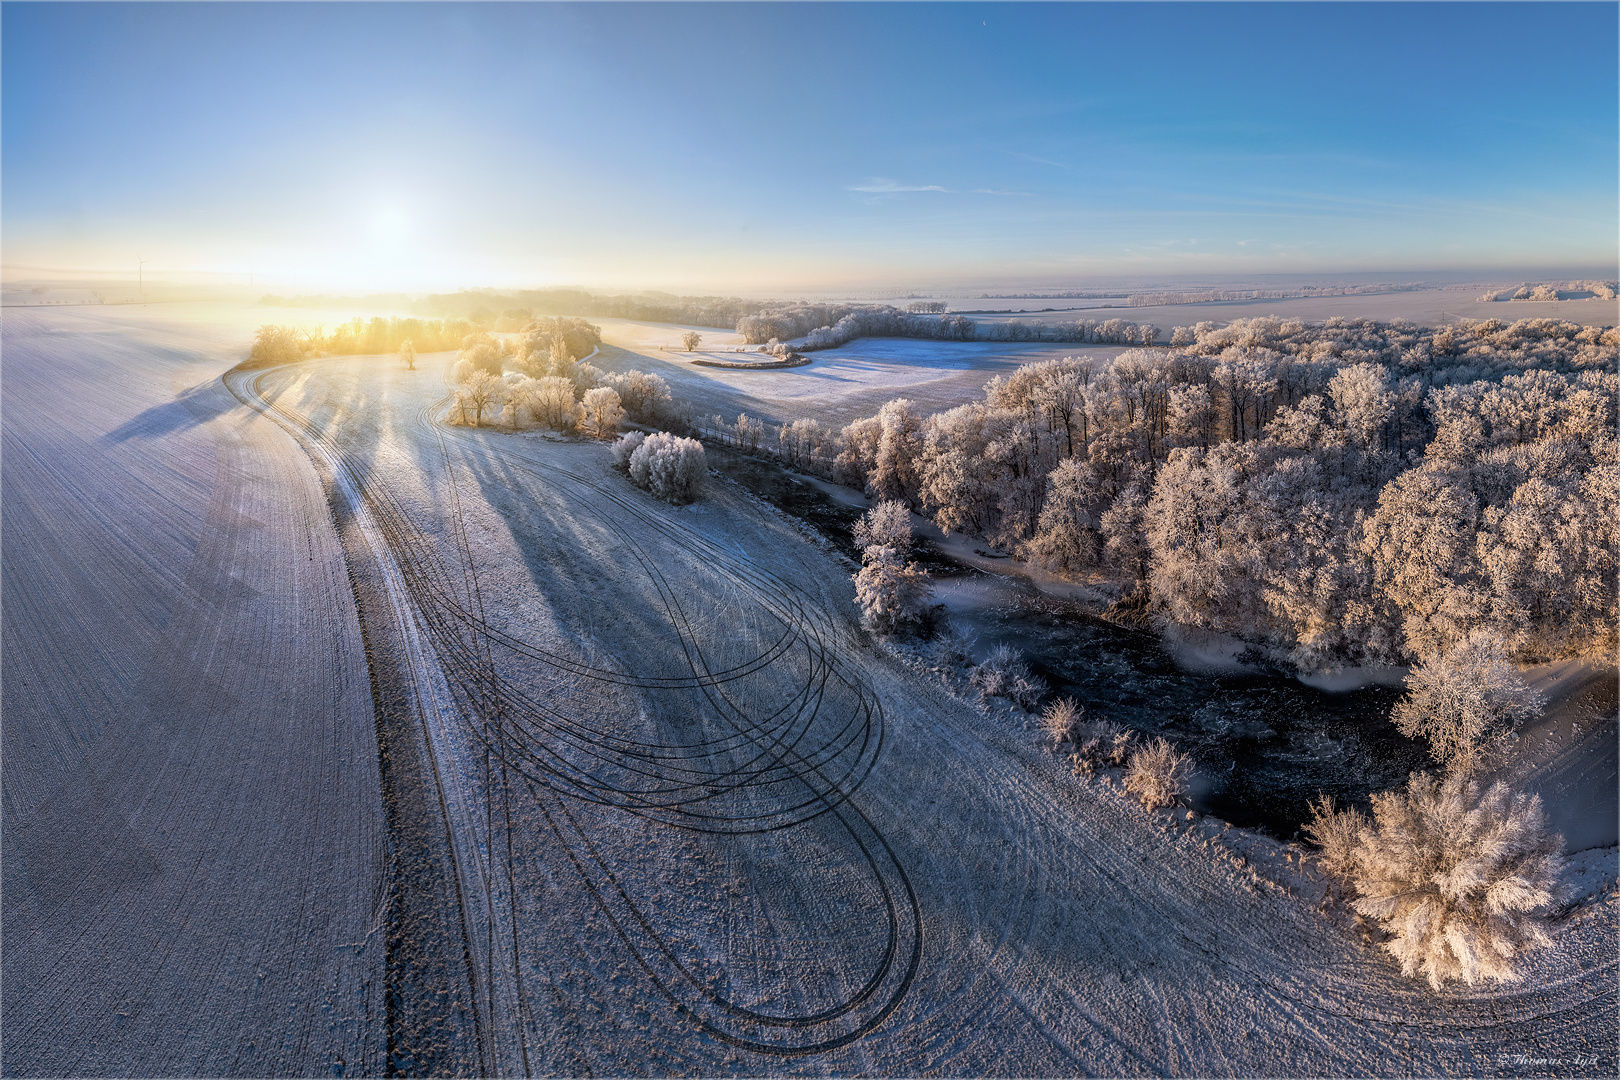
{"points": [[1264, 744]]}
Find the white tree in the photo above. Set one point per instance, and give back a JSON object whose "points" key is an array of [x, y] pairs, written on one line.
{"points": [[552, 401], [1464, 699], [1363, 401], [625, 447], [602, 412], [669, 466], [1462, 881], [890, 591], [1065, 539], [407, 354], [691, 339], [480, 391], [888, 524]]}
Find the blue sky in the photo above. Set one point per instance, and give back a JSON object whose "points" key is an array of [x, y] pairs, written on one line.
{"points": [[744, 147]]}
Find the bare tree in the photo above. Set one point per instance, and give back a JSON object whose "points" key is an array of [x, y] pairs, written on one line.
{"points": [[691, 339], [407, 354]]}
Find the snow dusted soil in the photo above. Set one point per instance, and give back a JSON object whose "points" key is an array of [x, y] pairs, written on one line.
{"points": [[838, 385], [654, 805], [1425, 307], [193, 836]]}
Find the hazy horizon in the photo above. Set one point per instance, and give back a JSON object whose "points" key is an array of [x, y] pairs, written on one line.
{"points": [[788, 149]]}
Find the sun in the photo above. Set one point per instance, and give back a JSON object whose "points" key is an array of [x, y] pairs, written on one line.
{"points": [[389, 223]]}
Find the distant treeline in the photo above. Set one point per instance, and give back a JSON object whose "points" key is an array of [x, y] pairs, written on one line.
{"points": [[759, 322], [1211, 296], [1568, 290], [570, 338]]}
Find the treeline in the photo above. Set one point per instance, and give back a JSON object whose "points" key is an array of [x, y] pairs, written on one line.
{"points": [[1569, 290], [826, 326], [1210, 296], [363, 337], [1346, 493]]}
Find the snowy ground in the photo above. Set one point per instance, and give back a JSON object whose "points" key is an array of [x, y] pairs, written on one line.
{"points": [[838, 385], [1425, 307], [689, 820]]}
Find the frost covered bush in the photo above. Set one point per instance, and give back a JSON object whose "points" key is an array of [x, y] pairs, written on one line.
{"points": [[1465, 699], [891, 592], [1100, 742], [1061, 720], [1004, 674], [669, 466], [627, 445], [1157, 774], [1461, 881], [888, 524]]}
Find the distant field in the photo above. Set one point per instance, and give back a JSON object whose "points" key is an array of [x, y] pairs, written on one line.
{"points": [[839, 385], [1427, 307]]}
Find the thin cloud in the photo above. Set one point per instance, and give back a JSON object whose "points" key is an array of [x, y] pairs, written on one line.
{"points": [[992, 191], [1037, 160], [878, 185]]}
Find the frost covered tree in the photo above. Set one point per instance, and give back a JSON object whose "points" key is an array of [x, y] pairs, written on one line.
{"points": [[691, 339], [1065, 539], [483, 352], [892, 593], [553, 404], [602, 412], [669, 466], [888, 524], [481, 391], [1461, 880], [1464, 699], [407, 354], [1363, 402]]}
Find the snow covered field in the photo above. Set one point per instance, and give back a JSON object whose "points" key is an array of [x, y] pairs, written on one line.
{"points": [[669, 810], [838, 385]]}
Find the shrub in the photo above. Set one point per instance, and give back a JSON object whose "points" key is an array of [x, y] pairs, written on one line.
{"points": [[1004, 674], [627, 445], [1100, 742], [1461, 881], [1061, 720], [1337, 832], [669, 466], [891, 592], [1157, 774]]}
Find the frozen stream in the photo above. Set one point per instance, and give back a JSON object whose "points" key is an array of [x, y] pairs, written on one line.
{"points": [[1264, 744]]}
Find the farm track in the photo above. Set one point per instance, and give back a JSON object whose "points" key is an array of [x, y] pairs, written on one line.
{"points": [[767, 771]]}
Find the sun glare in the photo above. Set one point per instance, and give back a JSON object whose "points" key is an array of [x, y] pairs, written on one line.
{"points": [[390, 224]]}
